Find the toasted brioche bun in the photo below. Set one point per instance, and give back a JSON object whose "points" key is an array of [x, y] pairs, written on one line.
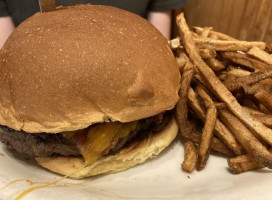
{"points": [[138, 152], [67, 69]]}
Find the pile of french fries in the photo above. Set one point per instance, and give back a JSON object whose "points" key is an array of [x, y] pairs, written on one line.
{"points": [[225, 98]]}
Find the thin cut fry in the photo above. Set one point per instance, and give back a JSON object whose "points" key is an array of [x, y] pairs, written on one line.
{"points": [[220, 105], [267, 85], [260, 54], [220, 130], [206, 54], [217, 86], [190, 156], [181, 59], [186, 127], [219, 35], [224, 45], [251, 111], [216, 144], [247, 80], [244, 60], [215, 64], [237, 72], [205, 32], [265, 98], [243, 163], [250, 143], [265, 119], [207, 132]]}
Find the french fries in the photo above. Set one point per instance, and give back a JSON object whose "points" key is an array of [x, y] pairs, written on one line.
{"points": [[220, 129], [260, 54], [243, 163], [250, 79], [206, 54], [181, 59], [264, 118], [187, 128], [218, 35], [207, 132], [215, 64], [244, 60], [237, 72], [224, 45], [232, 78], [217, 87], [250, 143], [264, 97], [190, 156]]}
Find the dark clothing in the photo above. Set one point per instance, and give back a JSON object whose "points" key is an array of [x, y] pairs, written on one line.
{"points": [[22, 9]]}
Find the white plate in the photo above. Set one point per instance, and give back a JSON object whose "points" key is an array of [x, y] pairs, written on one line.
{"points": [[159, 178]]}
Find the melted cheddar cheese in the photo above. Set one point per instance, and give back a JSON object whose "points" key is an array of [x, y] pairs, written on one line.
{"points": [[95, 141]]}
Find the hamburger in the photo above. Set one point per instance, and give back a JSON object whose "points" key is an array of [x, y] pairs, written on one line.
{"points": [[87, 90]]}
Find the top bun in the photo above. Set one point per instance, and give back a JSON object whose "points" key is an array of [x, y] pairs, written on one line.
{"points": [[67, 69]]}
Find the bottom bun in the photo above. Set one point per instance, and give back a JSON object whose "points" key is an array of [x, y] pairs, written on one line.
{"points": [[136, 153]]}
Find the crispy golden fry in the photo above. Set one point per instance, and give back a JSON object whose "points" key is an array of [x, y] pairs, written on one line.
{"points": [[224, 76], [265, 98], [244, 60], [243, 81], [261, 55], [237, 72], [220, 130], [220, 105], [186, 78], [189, 132], [218, 35], [215, 64], [267, 85], [187, 128], [207, 132], [264, 118], [217, 87], [243, 163], [224, 45], [181, 59], [250, 143], [206, 54], [219, 147], [205, 32], [252, 111], [190, 156], [216, 144]]}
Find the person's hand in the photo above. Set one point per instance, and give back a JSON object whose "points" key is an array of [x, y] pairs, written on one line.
{"points": [[162, 21], [6, 28]]}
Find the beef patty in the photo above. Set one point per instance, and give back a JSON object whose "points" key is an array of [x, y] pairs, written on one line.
{"points": [[38, 144], [45, 145]]}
